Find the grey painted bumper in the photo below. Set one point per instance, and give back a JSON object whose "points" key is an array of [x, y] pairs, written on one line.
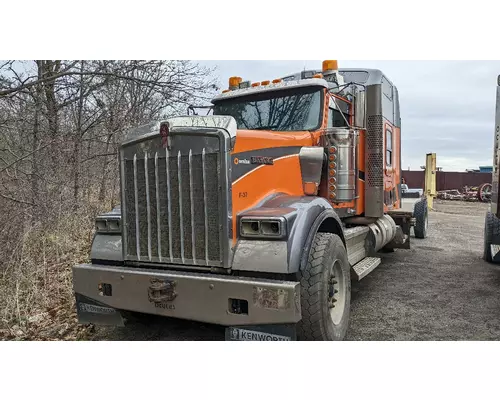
{"points": [[192, 296]]}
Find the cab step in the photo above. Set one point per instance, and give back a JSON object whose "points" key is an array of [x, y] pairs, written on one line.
{"points": [[495, 253], [365, 266]]}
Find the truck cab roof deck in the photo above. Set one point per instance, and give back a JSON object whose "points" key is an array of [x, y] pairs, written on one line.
{"points": [[301, 83]]}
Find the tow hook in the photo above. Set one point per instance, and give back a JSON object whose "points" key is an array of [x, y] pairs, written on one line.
{"points": [[161, 291]]}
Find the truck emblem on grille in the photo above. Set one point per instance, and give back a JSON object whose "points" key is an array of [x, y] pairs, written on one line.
{"points": [[161, 290]]}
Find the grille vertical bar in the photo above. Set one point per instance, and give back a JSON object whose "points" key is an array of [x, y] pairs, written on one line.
{"points": [[169, 206], [204, 175], [136, 195], [158, 210], [181, 219], [191, 200], [148, 204]]}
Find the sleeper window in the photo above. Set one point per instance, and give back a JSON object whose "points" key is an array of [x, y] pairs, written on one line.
{"points": [[388, 147]]}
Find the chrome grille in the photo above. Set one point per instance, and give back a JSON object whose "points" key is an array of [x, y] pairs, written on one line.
{"points": [[173, 205]]}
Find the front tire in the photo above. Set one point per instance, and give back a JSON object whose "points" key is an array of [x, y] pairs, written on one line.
{"points": [[325, 283]]}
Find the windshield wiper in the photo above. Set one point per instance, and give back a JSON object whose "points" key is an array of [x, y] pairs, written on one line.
{"points": [[265, 128]]}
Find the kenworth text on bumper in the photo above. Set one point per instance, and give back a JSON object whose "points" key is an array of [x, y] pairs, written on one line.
{"points": [[257, 216]]}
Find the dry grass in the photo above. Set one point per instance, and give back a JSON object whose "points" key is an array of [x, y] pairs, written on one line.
{"points": [[36, 297]]}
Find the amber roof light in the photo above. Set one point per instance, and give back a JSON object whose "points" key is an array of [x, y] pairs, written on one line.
{"points": [[330, 65], [234, 81]]}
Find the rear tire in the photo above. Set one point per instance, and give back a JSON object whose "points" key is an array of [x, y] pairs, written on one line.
{"points": [[325, 288], [421, 214], [491, 234]]}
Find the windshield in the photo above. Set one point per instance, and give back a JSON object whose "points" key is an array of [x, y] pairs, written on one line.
{"points": [[278, 111]]}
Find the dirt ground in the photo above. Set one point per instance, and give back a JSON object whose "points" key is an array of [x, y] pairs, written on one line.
{"points": [[441, 289]]}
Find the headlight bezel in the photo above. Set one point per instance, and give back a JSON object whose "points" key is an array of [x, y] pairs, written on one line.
{"points": [[108, 224], [255, 227]]}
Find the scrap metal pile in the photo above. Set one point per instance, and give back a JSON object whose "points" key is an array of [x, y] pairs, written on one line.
{"points": [[481, 193]]}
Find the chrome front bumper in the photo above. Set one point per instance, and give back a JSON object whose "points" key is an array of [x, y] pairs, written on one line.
{"points": [[103, 291]]}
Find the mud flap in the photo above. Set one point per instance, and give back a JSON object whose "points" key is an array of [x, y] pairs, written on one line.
{"points": [[404, 222], [495, 253], [92, 312], [262, 333]]}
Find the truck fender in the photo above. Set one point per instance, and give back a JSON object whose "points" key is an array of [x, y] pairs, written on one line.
{"points": [[107, 247], [318, 216], [305, 216]]}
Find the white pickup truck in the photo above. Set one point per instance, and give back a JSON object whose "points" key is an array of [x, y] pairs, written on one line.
{"points": [[407, 192]]}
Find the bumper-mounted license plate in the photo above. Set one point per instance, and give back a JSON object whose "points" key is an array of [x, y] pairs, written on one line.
{"points": [[91, 312], [262, 333]]}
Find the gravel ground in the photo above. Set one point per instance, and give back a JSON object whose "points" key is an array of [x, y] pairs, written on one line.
{"points": [[441, 289]]}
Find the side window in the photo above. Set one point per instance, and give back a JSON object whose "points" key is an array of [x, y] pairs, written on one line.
{"points": [[388, 147], [337, 118], [386, 88], [330, 117]]}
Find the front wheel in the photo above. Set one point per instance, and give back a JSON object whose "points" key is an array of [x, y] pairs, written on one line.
{"points": [[325, 283]]}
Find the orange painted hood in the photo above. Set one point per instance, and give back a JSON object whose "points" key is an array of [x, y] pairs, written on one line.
{"points": [[247, 140]]}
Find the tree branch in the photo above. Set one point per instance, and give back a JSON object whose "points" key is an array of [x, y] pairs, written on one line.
{"points": [[16, 200]]}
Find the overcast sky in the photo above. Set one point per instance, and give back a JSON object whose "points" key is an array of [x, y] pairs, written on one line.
{"points": [[447, 107]]}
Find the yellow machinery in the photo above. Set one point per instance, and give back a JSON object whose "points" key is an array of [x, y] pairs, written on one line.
{"points": [[430, 179]]}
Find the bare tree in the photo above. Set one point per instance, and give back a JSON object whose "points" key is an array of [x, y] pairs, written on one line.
{"points": [[61, 124]]}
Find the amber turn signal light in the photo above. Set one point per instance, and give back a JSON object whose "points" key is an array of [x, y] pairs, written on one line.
{"points": [[310, 188]]}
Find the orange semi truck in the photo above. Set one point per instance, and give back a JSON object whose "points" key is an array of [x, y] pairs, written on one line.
{"points": [[258, 216]]}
